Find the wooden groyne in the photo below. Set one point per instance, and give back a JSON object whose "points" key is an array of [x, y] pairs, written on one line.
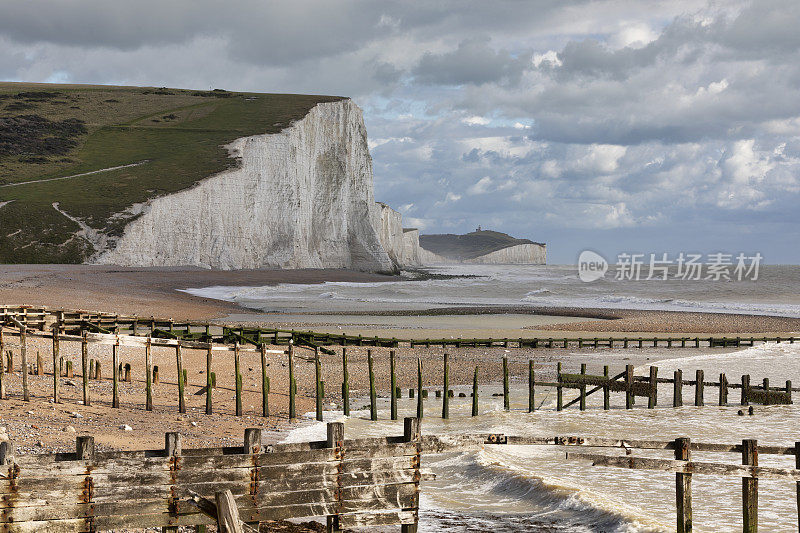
{"points": [[74, 322], [361, 483]]}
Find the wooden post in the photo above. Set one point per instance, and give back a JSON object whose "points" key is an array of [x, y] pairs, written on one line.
{"points": [[335, 440], [23, 350], [412, 432], [393, 386], [582, 397], [446, 388], [179, 364], [506, 400], [148, 385], [264, 381], [252, 440], [606, 389], [237, 379], [56, 367], [420, 408], [652, 399], [683, 487], [115, 374], [156, 378], [228, 520], [292, 384], [209, 382], [97, 372], [346, 384], [745, 389], [475, 394], [789, 389], [766, 391], [2, 366], [172, 444], [39, 364], [750, 488], [797, 466], [698, 388], [677, 388], [373, 397], [531, 383], [84, 447], [85, 369], [559, 389], [629, 387], [723, 389], [318, 385]]}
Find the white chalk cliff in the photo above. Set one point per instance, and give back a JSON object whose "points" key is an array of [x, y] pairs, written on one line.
{"points": [[521, 254], [301, 198]]}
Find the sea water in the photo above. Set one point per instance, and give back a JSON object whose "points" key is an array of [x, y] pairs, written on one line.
{"points": [[775, 292], [534, 488]]}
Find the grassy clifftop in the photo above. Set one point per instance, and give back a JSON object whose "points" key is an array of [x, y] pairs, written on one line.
{"points": [[55, 138], [470, 245]]}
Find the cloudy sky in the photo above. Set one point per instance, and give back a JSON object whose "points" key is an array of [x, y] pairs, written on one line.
{"points": [[611, 125]]}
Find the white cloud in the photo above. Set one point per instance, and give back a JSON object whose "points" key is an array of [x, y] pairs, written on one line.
{"points": [[476, 121], [481, 186]]}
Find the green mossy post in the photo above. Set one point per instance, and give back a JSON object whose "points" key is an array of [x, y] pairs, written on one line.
{"points": [[475, 393], [292, 385], [85, 369], [115, 376], [264, 382], [373, 397], [394, 389], [582, 401], [506, 399], [446, 388], [345, 383], [237, 378], [56, 367], [318, 384], [181, 385], [209, 382], [420, 408], [606, 390], [531, 383], [559, 389]]}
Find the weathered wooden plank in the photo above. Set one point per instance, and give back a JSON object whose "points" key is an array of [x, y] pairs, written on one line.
{"points": [[687, 467], [376, 519]]}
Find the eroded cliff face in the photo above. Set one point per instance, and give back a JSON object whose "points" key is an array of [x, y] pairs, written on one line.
{"points": [[402, 245], [302, 198], [521, 254]]}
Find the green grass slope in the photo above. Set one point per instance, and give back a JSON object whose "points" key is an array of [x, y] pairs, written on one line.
{"points": [[470, 245], [167, 140]]}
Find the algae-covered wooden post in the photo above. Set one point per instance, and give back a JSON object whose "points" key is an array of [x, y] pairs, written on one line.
{"points": [[373, 397], [85, 369], [181, 384], [475, 393], [506, 400], [56, 365], [629, 386], [652, 399], [531, 382], [582, 401], [750, 488], [292, 384], [446, 388], [393, 385], [723, 389], [238, 378], [149, 377], [209, 383], [419, 389], [559, 389], [23, 351], [698, 388], [677, 388], [606, 389], [264, 381], [683, 487], [317, 385], [115, 374], [745, 389], [345, 384]]}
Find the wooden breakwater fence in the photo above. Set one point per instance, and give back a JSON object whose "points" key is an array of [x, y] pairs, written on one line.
{"points": [[355, 483], [586, 384], [74, 322]]}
